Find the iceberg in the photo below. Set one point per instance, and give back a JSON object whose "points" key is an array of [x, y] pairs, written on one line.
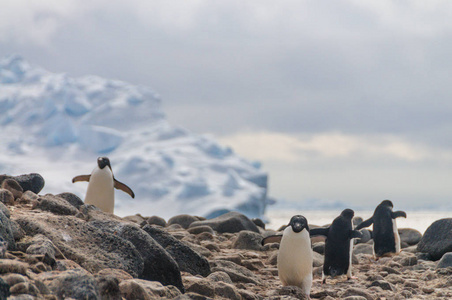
{"points": [[57, 126]]}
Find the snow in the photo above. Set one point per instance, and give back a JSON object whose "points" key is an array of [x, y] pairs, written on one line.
{"points": [[57, 126]]}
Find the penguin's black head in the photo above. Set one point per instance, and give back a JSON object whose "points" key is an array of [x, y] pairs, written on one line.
{"points": [[387, 203], [348, 213], [298, 223], [102, 162]]}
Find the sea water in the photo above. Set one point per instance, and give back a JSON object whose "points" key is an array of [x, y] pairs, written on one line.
{"points": [[419, 220]]}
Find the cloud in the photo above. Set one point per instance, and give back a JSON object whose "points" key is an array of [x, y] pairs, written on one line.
{"points": [[331, 145]]}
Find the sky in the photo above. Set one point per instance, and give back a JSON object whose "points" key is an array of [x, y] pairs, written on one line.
{"points": [[343, 100]]}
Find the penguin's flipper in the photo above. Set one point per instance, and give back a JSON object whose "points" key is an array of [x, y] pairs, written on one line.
{"points": [[81, 178], [121, 186], [364, 224], [355, 234], [398, 213], [272, 239], [319, 231]]}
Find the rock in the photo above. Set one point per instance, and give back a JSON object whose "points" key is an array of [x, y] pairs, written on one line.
{"points": [[363, 249], [355, 298], [258, 222], [40, 244], [5, 210], [108, 287], [24, 288], [31, 182], [56, 205], [116, 273], [137, 219], [199, 285], [230, 222], [410, 236], [182, 220], [408, 261], [147, 290], [289, 291], [90, 247], [73, 199], [437, 239], [155, 220], [6, 197], [317, 259], [13, 186], [248, 240], [187, 259], [227, 291], [220, 276], [6, 232], [445, 261], [159, 265], [366, 236], [4, 290], [357, 292], [200, 229], [75, 284], [319, 247], [383, 284], [236, 272]]}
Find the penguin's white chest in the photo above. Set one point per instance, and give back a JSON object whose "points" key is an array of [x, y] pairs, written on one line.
{"points": [[295, 259], [396, 236], [101, 190]]}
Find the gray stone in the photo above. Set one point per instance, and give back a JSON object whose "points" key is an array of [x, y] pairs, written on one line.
{"points": [[75, 284], [158, 263], [357, 292], [248, 240], [230, 222], [90, 247], [200, 286], [363, 249], [410, 236], [6, 197], [366, 236], [200, 229], [41, 245], [445, 261], [317, 259], [55, 205], [31, 182], [73, 199], [259, 223], [147, 290], [383, 284], [6, 232], [236, 272], [290, 291], [220, 276], [4, 290], [155, 220], [182, 220], [437, 239], [188, 259], [319, 247], [226, 290], [13, 186], [108, 287]]}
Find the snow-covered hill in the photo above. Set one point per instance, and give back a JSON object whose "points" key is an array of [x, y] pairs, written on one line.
{"points": [[58, 126]]}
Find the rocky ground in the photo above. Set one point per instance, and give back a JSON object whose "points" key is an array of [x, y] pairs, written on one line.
{"points": [[55, 247]]}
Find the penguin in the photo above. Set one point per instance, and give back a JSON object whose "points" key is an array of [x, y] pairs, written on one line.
{"points": [[385, 234], [338, 245], [101, 186], [294, 259]]}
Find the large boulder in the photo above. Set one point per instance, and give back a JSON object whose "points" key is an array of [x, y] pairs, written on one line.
{"points": [[445, 261], [437, 239], [410, 236], [28, 182], [230, 222], [188, 259], [158, 263], [6, 231], [92, 248]]}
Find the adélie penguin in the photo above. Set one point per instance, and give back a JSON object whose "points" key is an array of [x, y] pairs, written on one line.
{"points": [[385, 233], [294, 260], [102, 182], [338, 245]]}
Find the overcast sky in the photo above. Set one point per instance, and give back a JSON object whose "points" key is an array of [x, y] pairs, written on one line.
{"points": [[340, 100]]}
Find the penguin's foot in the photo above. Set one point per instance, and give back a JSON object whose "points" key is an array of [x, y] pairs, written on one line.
{"points": [[352, 277], [324, 281]]}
